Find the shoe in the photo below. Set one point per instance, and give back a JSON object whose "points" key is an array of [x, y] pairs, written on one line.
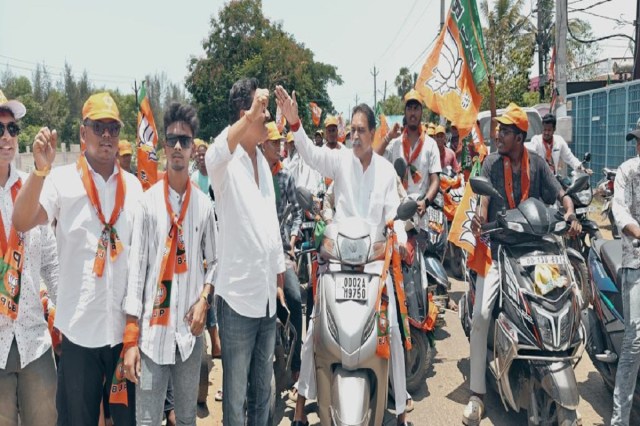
{"points": [[473, 412], [299, 423], [409, 407], [218, 396], [293, 394]]}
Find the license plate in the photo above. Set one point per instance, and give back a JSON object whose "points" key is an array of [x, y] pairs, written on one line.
{"points": [[545, 259], [582, 210], [308, 225], [351, 288], [435, 216]]}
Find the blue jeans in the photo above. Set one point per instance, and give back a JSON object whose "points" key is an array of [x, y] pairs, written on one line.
{"points": [[247, 365], [629, 361]]}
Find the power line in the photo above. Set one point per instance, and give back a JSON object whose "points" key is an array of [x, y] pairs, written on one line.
{"points": [[619, 21], [591, 6], [56, 74], [595, 39], [399, 30], [423, 52]]}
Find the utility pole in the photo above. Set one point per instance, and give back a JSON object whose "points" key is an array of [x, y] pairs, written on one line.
{"points": [[540, 53], [636, 56], [357, 103], [441, 14], [375, 73], [384, 97], [561, 57], [135, 90]]}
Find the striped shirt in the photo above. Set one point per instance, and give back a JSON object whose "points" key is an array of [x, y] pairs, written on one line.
{"points": [[150, 228]]}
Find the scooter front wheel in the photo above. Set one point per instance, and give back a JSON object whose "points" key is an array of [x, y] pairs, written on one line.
{"points": [[418, 361]]}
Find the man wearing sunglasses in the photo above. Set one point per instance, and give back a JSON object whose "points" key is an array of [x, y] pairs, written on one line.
{"points": [[169, 292], [529, 176], [27, 368], [93, 202]]}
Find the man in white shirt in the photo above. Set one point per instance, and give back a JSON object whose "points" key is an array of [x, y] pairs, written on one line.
{"points": [[418, 149], [93, 202], [303, 175], [168, 293], [365, 187], [27, 368], [553, 148], [250, 256]]}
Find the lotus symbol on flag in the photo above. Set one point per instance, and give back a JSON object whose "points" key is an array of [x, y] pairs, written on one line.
{"points": [[449, 68]]}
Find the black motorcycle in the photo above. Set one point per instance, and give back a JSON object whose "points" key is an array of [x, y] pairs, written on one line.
{"points": [[536, 334]]}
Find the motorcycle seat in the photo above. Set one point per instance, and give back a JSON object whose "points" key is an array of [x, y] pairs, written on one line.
{"points": [[611, 253]]}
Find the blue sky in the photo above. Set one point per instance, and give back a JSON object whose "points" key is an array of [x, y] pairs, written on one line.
{"points": [[107, 38]]}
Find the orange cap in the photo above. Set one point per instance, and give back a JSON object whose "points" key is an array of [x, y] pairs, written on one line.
{"points": [[274, 133], [101, 106], [412, 95], [331, 120], [516, 116], [124, 147]]}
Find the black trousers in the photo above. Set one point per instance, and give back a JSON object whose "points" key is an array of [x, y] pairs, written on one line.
{"points": [[81, 374]]}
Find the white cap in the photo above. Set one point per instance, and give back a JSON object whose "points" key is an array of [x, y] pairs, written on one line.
{"points": [[16, 107]]}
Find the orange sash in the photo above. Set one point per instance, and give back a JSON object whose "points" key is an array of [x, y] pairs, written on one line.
{"points": [[391, 261], [276, 168], [411, 157], [109, 235], [174, 259], [525, 179], [11, 264], [548, 148]]}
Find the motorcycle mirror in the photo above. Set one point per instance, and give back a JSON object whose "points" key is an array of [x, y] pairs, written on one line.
{"points": [[305, 198], [401, 166], [482, 186], [587, 157], [579, 184], [407, 209]]}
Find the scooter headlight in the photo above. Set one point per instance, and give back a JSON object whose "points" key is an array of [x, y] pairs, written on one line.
{"points": [[584, 197], [353, 252]]}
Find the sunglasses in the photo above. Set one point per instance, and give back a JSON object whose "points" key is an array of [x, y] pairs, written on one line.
{"points": [[12, 128], [98, 127], [185, 141]]}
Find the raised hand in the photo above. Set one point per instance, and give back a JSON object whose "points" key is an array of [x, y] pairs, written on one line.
{"points": [[258, 112], [394, 132], [288, 105], [44, 148]]}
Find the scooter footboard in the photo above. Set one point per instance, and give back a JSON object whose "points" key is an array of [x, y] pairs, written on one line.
{"points": [[558, 380], [350, 398]]}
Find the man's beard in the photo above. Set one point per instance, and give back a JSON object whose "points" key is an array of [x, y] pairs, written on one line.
{"points": [[413, 127]]}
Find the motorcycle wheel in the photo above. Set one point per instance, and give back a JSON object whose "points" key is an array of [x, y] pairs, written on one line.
{"points": [[582, 278], [567, 417], [418, 361]]}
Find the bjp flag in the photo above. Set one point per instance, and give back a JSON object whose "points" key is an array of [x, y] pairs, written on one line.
{"points": [[147, 137], [316, 113], [383, 127], [342, 130], [461, 235], [280, 120], [450, 77]]}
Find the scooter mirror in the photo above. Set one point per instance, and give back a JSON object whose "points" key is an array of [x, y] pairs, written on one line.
{"points": [[579, 184], [482, 186], [587, 157], [305, 198], [407, 209], [401, 166]]}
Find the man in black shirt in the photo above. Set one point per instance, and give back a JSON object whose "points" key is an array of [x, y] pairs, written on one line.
{"points": [[517, 175]]}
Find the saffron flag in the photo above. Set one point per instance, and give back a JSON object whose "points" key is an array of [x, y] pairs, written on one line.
{"points": [[461, 235], [450, 77], [382, 129], [342, 130], [147, 137], [316, 113]]}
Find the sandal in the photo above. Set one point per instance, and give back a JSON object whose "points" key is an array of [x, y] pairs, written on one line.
{"points": [[299, 423], [218, 396], [409, 407], [473, 412], [293, 394]]}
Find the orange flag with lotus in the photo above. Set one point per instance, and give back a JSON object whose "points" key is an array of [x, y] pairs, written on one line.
{"points": [[316, 113], [147, 137]]}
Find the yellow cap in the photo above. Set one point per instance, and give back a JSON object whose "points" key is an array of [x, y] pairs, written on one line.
{"points": [[199, 142], [290, 137], [124, 147], [101, 106], [431, 131], [272, 129], [516, 116], [412, 95], [440, 129], [331, 120]]}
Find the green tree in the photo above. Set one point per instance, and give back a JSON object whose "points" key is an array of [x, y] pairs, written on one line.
{"points": [[243, 43], [581, 56], [405, 81], [393, 105], [510, 45]]}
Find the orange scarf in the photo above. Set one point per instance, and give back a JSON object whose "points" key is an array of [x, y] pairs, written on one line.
{"points": [[411, 157], [525, 179], [174, 259], [276, 168], [11, 264], [548, 148], [391, 261], [109, 235]]}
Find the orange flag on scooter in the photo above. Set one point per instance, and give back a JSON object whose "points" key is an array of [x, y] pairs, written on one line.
{"points": [[479, 258]]}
